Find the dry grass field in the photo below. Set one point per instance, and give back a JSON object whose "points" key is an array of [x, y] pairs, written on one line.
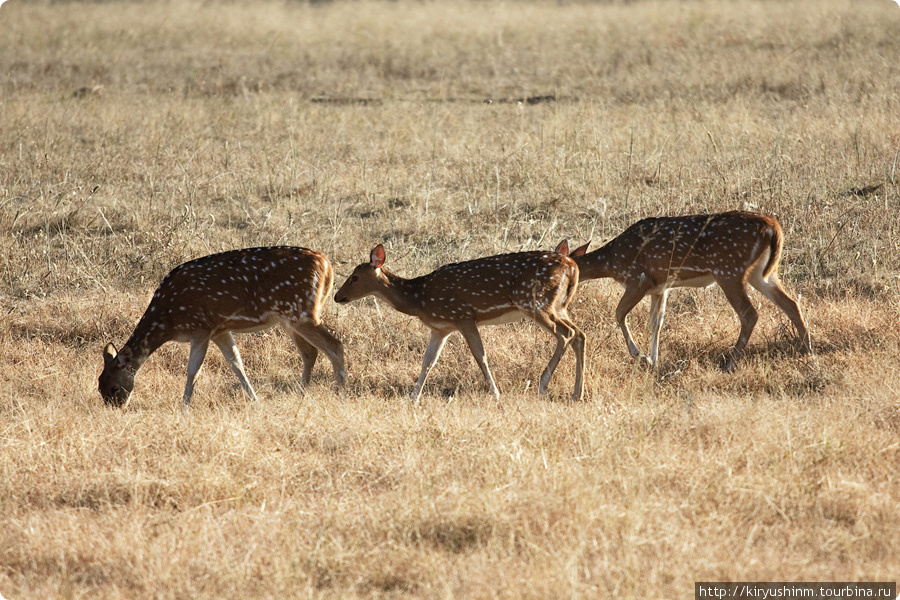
{"points": [[137, 135]]}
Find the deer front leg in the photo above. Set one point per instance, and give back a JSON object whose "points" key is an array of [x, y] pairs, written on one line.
{"points": [[634, 293], [435, 345], [195, 361], [469, 331], [657, 314], [229, 350]]}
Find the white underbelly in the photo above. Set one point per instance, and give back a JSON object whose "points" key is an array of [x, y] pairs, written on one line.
{"points": [[508, 317], [696, 282], [690, 281]]}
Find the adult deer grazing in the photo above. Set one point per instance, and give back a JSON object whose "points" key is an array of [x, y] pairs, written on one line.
{"points": [[486, 291], [240, 291], [656, 254]]}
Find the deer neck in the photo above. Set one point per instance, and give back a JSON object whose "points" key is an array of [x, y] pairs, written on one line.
{"points": [[145, 339], [404, 295], [597, 264]]}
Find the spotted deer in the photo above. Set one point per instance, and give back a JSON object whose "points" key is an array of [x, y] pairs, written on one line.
{"points": [[731, 249], [240, 291], [486, 291]]}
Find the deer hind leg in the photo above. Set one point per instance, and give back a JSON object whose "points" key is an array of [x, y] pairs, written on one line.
{"points": [[435, 344], [566, 334], [578, 344], [773, 290], [740, 302], [322, 339], [308, 353], [195, 361], [229, 350], [657, 314], [634, 293]]}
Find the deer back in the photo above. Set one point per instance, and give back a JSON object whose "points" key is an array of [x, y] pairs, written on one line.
{"points": [[239, 290], [482, 289], [682, 248], [479, 288]]}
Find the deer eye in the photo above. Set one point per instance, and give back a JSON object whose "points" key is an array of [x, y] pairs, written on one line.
{"points": [[354, 278]]}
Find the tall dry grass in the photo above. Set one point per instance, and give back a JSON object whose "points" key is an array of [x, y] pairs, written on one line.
{"points": [[136, 135]]}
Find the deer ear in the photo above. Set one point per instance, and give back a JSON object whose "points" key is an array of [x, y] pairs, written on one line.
{"points": [[109, 353], [563, 248], [580, 250], [376, 257], [125, 354]]}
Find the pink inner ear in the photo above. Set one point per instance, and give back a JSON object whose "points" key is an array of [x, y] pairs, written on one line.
{"points": [[563, 248], [376, 258]]}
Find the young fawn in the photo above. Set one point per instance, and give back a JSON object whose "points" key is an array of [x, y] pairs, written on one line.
{"points": [[731, 249], [240, 291], [486, 291]]}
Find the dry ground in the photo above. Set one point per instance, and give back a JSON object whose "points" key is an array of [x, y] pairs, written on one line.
{"points": [[137, 135]]}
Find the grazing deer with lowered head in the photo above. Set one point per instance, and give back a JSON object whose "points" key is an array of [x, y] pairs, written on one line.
{"points": [[731, 249], [240, 291], [486, 291]]}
